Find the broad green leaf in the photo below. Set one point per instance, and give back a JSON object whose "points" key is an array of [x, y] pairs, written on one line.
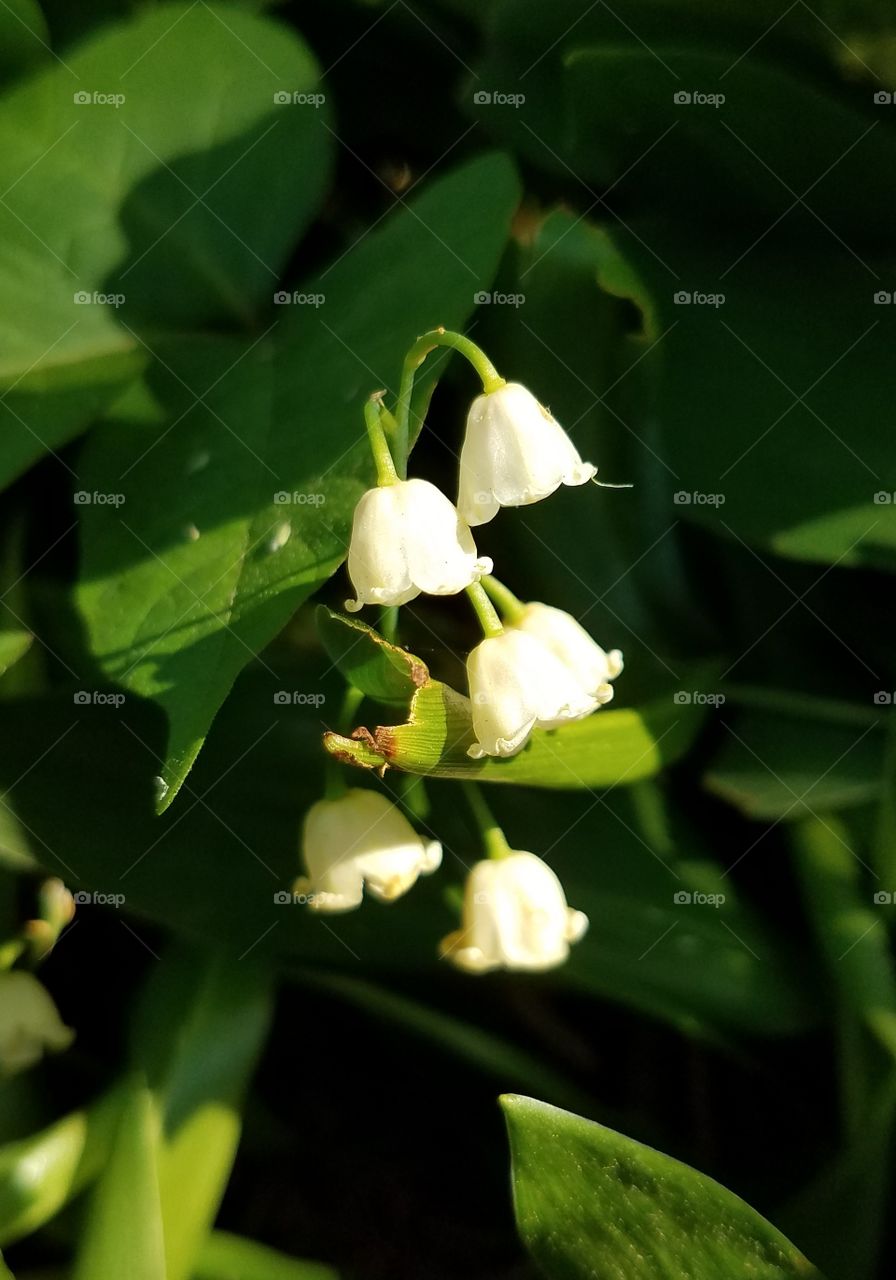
{"points": [[528, 43], [144, 181], [593, 1205], [790, 763], [42, 1173], [728, 161], [224, 532], [685, 948], [201, 1027], [5, 1273], [610, 747], [225, 1256], [122, 1233], [382, 671], [13, 645], [802, 467]]}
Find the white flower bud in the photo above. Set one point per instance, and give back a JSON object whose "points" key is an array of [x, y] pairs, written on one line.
{"points": [[407, 538], [514, 917], [516, 684], [569, 642], [514, 453], [361, 840], [29, 1022]]}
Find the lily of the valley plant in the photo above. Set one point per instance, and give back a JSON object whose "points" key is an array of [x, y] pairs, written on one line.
{"points": [[535, 668]]}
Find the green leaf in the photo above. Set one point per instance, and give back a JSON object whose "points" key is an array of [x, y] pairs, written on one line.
{"points": [[593, 1205], [721, 161], [5, 1273], [200, 1030], [682, 946], [171, 204], [817, 457], [13, 645], [123, 1234], [382, 671], [185, 582], [42, 1173], [785, 764], [228, 1257], [610, 747]]}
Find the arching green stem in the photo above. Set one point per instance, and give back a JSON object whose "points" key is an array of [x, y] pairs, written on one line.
{"points": [[485, 611], [379, 445], [510, 606], [488, 374]]}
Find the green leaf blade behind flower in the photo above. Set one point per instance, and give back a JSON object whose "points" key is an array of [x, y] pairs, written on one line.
{"points": [[607, 748], [592, 1204], [382, 671], [184, 583]]}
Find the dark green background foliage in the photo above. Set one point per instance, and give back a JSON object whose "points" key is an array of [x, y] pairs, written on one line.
{"points": [[673, 221]]}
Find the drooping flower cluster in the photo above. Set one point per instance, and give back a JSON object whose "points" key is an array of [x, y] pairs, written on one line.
{"points": [[535, 668], [542, 669]]}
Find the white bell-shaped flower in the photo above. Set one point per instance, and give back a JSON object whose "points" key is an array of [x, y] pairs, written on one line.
{"points": [[29, 1022], [361, 839], [568, 641], [516, 685], [514, 917], [514, 453], [406, 538]]}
